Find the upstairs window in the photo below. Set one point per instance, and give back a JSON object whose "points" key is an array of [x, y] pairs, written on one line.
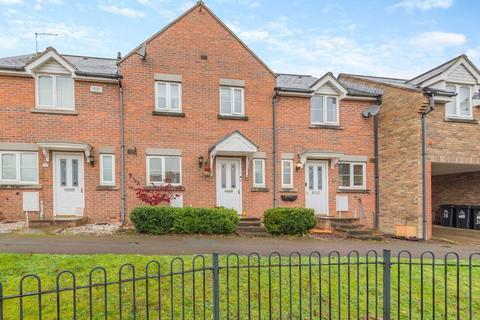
{"points": [[461, 106], [18, 167], [324, 110], [168, 96], [55, 92], [231, 101], [352, 175]]}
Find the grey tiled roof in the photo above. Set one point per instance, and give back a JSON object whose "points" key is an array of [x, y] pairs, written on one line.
{"points": [[402, 83], [83, 64], [304, 82]]}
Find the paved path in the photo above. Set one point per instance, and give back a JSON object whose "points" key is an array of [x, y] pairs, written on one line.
{"points": [[185, 245]]}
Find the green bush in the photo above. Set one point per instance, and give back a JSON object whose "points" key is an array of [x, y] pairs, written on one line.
{"points": [[289, 220], [161, 220]]}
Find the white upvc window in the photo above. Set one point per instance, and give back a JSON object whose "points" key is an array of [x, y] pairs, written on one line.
{"points": [[352, 175], [287, 173], [324, 110], [164, 169], [461, 105], [232, 101], [259, 173], [55, 92], [18, 167], [168, 96], [107, 169]]}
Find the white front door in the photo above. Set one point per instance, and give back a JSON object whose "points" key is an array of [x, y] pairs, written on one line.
{"points": [[316, 186], [68, 184], [229, 184]]}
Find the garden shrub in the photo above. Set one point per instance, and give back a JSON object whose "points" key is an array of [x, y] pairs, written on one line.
{"points": [[162, 219], [289, 220]]}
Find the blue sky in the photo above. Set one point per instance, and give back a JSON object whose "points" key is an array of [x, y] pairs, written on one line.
{"points": [[398, 38]]}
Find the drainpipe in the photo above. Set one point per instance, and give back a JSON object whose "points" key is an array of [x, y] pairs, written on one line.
{"points": [[122, 144], [275, 162], [377, 178], [431, 106]]}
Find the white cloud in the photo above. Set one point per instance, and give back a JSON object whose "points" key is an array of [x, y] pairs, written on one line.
{"points": [[423, 5], [127, 12], [11, 2], [8, 42], [437, 41]]}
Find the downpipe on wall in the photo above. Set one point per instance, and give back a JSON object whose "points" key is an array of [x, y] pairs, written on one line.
{"points": [[431, 107], [274, 126]]}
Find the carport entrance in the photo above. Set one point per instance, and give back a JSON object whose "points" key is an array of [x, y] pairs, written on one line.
{"points": [[453, 184]]}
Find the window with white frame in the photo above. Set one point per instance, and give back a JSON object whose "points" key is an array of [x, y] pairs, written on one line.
{"points": [[168, 96], [258, 172], [164, 169], [18, 167], [324, 110], [461, 104], [352, 175], [287, 173], [107, 169], [231, 101], [55, 92]]}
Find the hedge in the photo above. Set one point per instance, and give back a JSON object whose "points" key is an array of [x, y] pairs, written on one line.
{"points": [[289, 220], [162, 220]]}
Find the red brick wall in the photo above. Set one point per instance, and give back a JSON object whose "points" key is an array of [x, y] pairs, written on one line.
{"points": [[353, 137], [96, 124], [177, 51]]}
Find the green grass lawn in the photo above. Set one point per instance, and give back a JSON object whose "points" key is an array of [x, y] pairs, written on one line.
{"points": [[308, 284]]}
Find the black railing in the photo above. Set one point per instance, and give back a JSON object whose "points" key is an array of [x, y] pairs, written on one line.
{"points": [[232, 286]]}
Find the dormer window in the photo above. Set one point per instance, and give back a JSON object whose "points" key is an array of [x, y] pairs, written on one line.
{"points": [[55, 92], [461, 105], [324, 110]]}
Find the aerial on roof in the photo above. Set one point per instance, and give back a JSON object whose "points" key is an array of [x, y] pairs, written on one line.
{"points": [[86, 65], [304, 83]]}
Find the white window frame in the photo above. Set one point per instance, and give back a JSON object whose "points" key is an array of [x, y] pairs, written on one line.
{"points": [[168, 97], [103, 182], [287, 186], [364, 174], [54, 91], [262, 184], [155, 183], [18, 179], [232, 101], [325, 119], [457, 102]]}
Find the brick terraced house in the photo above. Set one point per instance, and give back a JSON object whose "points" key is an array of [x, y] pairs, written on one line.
{"points": [[194, 105], [429, 153]]}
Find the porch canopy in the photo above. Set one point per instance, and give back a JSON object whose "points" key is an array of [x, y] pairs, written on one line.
{"points": [[334, 157], [233, 144], [66, 146]]}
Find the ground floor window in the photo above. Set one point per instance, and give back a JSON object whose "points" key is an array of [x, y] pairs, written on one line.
{"points": [[18, 167], [287, 173], [163, 169], [258, 172], [107, 169], [352, 175]]}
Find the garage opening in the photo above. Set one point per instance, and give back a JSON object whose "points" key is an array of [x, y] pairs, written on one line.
{"points": [[455, 199]]}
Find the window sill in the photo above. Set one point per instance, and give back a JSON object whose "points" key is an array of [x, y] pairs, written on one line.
{"points": [[288, 190], [21, 186], [55, 111], [260, 189], [169, 114], [224, 117], [326, 126], [346, 190], [174, 188], [461, 120], [107, 188]]}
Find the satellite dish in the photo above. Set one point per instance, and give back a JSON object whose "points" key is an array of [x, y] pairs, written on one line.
{"points": [[142, 51], [371, 111]]}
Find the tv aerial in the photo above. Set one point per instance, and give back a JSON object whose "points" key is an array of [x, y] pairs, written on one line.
{"points": [[37, 34]]}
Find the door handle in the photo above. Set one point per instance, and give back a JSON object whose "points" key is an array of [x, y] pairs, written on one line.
{"points": [[81, 190]]}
